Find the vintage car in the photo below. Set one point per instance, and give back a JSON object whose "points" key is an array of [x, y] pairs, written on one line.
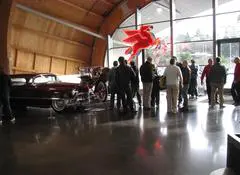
{"points": [[44, 90]]}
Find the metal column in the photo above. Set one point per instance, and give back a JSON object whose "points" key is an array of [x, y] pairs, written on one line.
{"points": [[214, 28]]}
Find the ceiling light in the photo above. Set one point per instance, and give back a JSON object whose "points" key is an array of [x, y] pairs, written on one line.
{"points": [[159, 10]]}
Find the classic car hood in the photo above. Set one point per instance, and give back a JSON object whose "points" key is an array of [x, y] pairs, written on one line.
{"points": [[58, 86]]}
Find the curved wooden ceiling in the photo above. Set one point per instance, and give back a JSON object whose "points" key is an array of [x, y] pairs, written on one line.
{"points": [[87, 13], [36, 41]]}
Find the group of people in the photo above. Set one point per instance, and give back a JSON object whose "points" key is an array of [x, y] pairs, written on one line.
{"points": [[215, 81], [124, 82], [181, 80]]}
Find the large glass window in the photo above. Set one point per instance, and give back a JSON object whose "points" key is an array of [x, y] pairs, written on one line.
{"points": [[228, 25], [161, 54], [190, 8], [119, 35], [116, 53], [155, 12], [193, 29], [228, 6], [199, 51], [130, 21]]}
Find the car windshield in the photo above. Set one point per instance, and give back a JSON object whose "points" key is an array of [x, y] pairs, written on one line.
{"points": [[44, 79]]}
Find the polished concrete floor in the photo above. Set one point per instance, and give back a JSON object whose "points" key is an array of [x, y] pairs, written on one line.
{"points": [[104, 142]]}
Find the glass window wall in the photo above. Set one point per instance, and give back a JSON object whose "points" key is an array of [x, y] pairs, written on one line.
{"points": [[192, 31]]}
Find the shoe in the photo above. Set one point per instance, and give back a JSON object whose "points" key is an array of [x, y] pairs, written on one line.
{"points": [[236, 104], [133, 111], [217, 102], [13, 120], [222, 106], [184, 109]]}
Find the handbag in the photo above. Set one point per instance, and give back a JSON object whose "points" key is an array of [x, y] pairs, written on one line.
{"points": [[162, 82]]}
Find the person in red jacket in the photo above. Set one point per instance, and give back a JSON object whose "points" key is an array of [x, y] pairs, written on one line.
{"points": [[235, 89], [205, 73]]}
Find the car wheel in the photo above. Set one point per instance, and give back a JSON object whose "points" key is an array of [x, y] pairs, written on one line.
{"points": [[59, 105], [101, 91]]}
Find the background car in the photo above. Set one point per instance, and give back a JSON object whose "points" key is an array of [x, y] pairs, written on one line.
{"points": [[44, 90]]}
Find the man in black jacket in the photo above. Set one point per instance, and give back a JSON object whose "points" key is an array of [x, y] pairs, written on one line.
{"points": [[5, 84], [146, 72], [186, 73], [124, 76]]}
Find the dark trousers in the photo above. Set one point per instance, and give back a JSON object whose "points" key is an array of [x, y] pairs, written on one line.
{"points": [[114, 91], [235, 91], [185, 95], [193, 87], [208, 91], [123, 92], [135, 91], [180, 95], [155, 96], [4, 97]]}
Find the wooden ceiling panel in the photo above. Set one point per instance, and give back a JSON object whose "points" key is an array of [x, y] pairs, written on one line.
{"points": [[36, 43], [102, 7], [37, 23], [82, 37], [63, 11], [86, 4]]}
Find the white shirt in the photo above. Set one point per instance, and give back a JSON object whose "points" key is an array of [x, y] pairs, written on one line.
{"points": [[173, 75]]}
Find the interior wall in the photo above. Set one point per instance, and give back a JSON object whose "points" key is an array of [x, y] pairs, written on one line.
{"points": [[41, 45], [5, 16]]}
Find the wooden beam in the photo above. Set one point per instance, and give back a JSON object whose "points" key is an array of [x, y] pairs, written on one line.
{"points": [[34, 61], [78, 27], [107, 2], [50, 66], [65, 69], [47, 35], [79, 8], [46, 54]]}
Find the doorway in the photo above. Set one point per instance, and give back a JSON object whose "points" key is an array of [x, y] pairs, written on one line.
{"points": [[228, 49]]}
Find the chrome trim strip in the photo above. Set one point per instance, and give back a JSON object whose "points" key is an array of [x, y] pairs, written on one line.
{"points": [[36, 98]]}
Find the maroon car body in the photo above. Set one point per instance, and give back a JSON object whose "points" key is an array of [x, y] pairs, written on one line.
{"points": [[44, 90]]}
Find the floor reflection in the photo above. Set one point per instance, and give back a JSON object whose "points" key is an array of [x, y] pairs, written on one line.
{"points": [[101, 141]]}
